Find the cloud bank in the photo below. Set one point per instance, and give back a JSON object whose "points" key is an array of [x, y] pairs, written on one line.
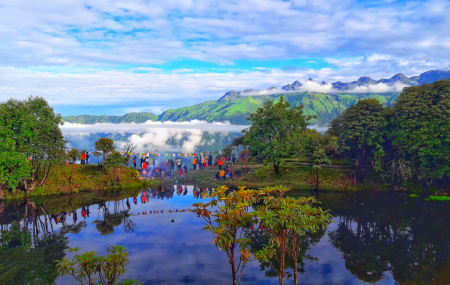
{"points": [[155, 136]]}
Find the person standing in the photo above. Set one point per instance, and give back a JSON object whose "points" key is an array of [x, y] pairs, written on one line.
{"points": [[83, 158], [233, 160], [179, 163], [134, 161], [194, 163], [210, 158], [87, 157], [220, 162], [205, 161]]}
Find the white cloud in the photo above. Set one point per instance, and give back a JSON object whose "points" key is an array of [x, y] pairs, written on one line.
{"points": [[153, 136]]}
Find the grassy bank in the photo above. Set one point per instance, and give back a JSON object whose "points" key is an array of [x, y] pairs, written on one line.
{"points": [[85, 178]]}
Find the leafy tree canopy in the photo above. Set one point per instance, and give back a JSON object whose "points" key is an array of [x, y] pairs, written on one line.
{"points": [[276, 130]]}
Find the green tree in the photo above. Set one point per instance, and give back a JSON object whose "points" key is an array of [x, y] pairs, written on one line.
{"points": [[14, 167], [361, 132], [422, 129], [115, 162], [276, 130], [31, 127], [104, 145]]}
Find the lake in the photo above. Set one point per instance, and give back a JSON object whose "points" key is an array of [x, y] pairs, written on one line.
{"points": [[378, 237]]}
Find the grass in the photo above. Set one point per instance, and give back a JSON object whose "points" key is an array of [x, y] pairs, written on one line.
{"points": [[85, 178], [298, 177], [438, 198], [414, 195]]}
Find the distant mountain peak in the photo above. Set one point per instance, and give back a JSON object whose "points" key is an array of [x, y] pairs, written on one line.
{"points": [[230, 95], [323, 83], [310, 80]]}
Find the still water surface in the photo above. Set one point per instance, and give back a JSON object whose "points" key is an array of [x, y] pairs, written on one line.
{"points": [[378, 237]]}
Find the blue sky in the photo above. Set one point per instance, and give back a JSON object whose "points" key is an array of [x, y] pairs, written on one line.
{"points": [[113, 57]]}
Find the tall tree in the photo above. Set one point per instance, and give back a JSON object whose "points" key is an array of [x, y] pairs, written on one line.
{"points": [[361, 131], [31, 127], [422, 129], [276, 130]]}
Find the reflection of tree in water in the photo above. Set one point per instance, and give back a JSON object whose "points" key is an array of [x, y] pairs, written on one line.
{"points": [[106, 226], [27, 256], [258, 239], [390, 232]]}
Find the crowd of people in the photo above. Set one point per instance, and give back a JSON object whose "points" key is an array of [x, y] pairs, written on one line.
{"points": [[150, 167]]}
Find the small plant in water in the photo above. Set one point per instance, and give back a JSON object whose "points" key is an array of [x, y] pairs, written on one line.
{"points": [[90, 267]]}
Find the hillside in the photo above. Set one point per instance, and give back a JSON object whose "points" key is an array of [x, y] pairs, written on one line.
{"points": [[128, 118], [235, 108]]}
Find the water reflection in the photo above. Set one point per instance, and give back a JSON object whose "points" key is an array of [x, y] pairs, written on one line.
{"points": [[383, 238]]}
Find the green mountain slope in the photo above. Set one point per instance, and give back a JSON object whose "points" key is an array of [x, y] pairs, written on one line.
{"points": [[128, 118], [235, 108]]}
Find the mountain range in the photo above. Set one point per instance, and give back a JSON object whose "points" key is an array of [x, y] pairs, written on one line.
{"points": [[235, 106]]}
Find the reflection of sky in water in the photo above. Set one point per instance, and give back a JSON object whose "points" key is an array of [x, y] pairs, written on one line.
{"points": [[162, 252]]}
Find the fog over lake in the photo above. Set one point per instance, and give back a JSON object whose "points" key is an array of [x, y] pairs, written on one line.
{"points": [[155, 136]]}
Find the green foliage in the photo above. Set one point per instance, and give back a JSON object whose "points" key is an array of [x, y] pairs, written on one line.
{"points": [[361, 133], [115, 159], [74, 154], [30, 127], [233, 214], [15, 236], [14, 167], [422, 128], [88, 267], [104, 145], [438, 198], [276, 130]]}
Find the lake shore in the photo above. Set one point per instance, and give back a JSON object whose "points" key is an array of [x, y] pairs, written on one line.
{"points": [[85, 178]]}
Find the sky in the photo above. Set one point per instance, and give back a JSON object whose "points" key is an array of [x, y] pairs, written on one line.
{"points": [[113, 57]]}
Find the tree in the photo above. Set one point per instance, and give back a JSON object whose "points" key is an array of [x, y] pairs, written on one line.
{"points": [[319, 158], [128, 149], [276, 130], [104, 145], [226, 224], [31, 127], [422, 129], [115, 161], [14, 167], [286, 220], [361, 132], [97, 154]]}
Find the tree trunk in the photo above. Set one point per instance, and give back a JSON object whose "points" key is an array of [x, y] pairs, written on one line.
{"points": [[294, 257], [317, 179], [233, 266], [282, 256], [276, 167]]}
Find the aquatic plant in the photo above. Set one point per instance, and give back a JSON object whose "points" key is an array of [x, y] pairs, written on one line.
{"points": [[438, 198]]}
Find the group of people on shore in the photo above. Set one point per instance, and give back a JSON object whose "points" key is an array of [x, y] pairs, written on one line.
{"points": [[150, 167]]}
